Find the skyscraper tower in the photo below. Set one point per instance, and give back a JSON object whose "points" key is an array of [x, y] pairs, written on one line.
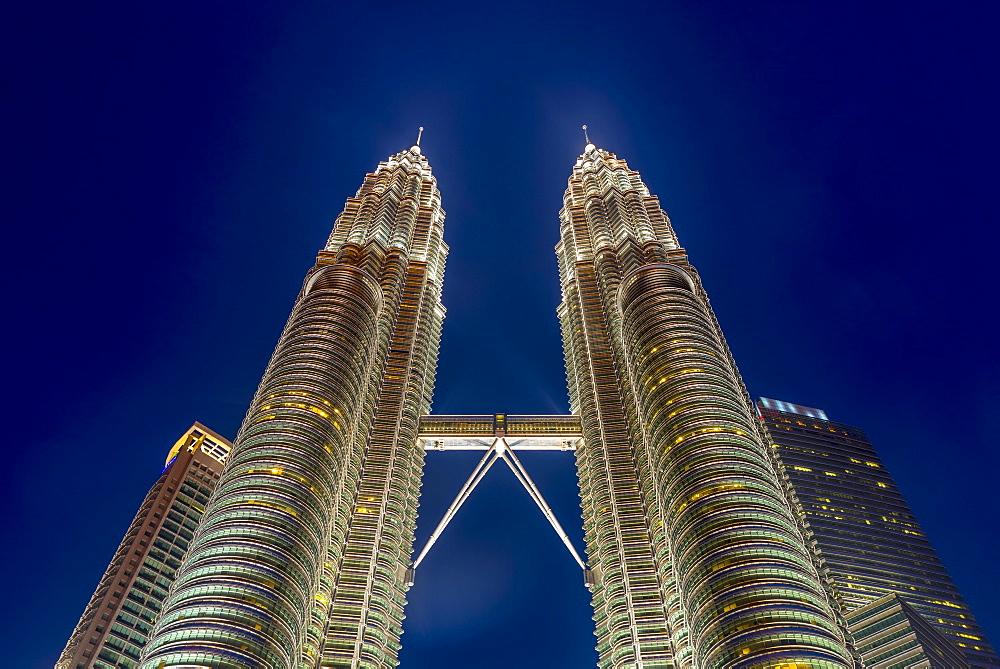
{"points": [[117, 621], [300, 560], [870, 544], [699, 558]]}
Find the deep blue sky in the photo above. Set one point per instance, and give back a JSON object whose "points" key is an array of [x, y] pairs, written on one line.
{"points": [[171, 168]]}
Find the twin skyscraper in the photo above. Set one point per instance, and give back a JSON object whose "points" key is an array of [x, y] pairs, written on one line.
{"points": [[699, 553]]}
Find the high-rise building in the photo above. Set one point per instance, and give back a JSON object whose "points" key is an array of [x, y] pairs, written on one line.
{"points": [[868, 541], [301, 558], [699, 557], [119, 617]]}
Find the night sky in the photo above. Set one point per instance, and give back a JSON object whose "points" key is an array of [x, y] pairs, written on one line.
{"points": [[171, 169]]}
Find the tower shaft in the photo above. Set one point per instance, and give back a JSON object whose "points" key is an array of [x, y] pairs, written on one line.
{"points": [[300, 558], [700, 558]]}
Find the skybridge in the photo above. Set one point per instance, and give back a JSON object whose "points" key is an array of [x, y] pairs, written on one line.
{"points": [[499, 435], [522, 433]]}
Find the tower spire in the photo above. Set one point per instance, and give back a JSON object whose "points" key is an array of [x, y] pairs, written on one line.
{"points": [[590, 145], [416, 147]]}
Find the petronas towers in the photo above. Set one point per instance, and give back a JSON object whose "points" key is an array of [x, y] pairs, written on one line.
{"points": [[696, 554]]}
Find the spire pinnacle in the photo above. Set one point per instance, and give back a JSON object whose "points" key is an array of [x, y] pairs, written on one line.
{"points": [[590, 146], [416, 147]]}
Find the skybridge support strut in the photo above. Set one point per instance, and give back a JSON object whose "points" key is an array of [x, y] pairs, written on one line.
{"points": [[522, 475], [477, 475], [499, 450]]}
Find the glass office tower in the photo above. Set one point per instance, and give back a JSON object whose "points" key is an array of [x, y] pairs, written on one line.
{"points": [[117, 622], [870, 544], [302, 555], [697, 552]]}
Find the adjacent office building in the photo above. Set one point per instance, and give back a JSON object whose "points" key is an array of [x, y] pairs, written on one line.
{"points": [[119, 617], [871, 546]]}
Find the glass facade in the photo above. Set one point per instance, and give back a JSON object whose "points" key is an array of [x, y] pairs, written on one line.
{"points": [[698, 557], [865, 535], [117, 622]]}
